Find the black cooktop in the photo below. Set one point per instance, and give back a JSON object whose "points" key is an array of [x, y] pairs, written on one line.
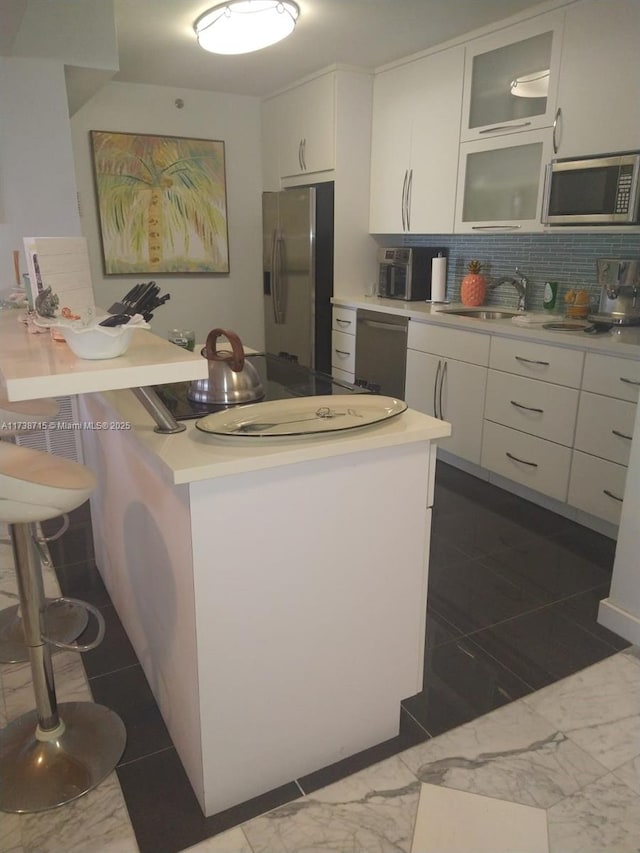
{"points": [[281, 378]]}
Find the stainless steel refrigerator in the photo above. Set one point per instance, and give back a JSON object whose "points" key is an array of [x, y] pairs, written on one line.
{"points": [[298, 273]]}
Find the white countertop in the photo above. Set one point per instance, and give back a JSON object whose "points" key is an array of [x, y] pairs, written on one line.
{"points": [[624, 343], [193, 455], [36, 366]]}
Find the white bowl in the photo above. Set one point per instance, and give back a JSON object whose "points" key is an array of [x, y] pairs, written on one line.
{"points": [[95, 341]]}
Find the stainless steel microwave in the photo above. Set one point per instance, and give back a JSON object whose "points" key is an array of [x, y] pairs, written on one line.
{"points": [[602, 190]]}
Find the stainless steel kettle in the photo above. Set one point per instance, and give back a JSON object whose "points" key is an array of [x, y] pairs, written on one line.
{"points": [[232, 380]]}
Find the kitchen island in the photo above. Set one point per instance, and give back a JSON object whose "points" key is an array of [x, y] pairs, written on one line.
{"points": [[274, 592], [274, 589]]}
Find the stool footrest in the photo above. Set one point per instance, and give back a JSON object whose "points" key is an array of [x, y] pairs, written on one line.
{"points": [[84, 605], [64, 623]]}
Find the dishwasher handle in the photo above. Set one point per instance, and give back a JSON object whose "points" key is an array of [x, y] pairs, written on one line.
{"points": [[377, 324]]}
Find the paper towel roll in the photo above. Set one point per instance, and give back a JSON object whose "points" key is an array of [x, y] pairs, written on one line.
{"points": [[438, 279]]}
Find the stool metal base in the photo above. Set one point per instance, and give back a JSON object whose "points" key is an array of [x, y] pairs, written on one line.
{"points": [[64, 622], [37, 775]]}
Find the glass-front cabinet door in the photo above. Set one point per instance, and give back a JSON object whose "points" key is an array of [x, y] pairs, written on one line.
{"points": [[511, 79], [501, 183]]}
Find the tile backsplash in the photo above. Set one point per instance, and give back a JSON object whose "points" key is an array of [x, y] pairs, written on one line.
{"points": [[569, 259]]}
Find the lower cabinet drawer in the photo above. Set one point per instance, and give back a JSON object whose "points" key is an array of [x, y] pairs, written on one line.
{"points": [[342, 375], [597, 486], [343, 351], [605, 427], [539, 408], [615, 377], [344, 319], [531, 461]]}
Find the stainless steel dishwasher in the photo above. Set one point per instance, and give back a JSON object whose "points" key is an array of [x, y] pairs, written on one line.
{"points": [[381, 352]]}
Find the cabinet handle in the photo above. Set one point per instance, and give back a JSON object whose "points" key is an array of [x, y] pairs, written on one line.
{"points": [[495, 227], [611, 495], [300, 155], [531, 360], [442, 378], [409, 188], [524, 461], [344, 322], [304, 154], [342, 352], [500, 127], [528, 408], [621, 434], [403, 205], [629, 381], [554, 137], [435, 390]]}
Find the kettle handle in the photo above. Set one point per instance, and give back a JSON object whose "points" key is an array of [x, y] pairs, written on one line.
{"points": [[235, 358]]}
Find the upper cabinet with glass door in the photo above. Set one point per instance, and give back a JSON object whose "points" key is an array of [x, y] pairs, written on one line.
{"points": [[511, 79]]}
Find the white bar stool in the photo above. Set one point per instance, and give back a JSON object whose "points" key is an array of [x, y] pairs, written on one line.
{"points": [[66, 621], [54, 754]]}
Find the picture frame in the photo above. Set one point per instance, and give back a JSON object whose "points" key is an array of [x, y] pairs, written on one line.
{"points": [[162, 203]]}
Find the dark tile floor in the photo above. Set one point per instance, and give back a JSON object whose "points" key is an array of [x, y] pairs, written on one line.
{"points": [[513, 601]]}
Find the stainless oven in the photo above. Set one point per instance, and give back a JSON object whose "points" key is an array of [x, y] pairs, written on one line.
{"points": [[603, 190]]}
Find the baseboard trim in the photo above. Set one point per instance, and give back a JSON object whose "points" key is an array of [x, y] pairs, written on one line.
{"points": [[559, 507], [620, 621]]}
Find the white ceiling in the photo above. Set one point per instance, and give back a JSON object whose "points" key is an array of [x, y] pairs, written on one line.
{"points": [[157, 44]]}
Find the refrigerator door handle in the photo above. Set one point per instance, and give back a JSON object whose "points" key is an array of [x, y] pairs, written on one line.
{"points": [[274, 275], [278, 307]]}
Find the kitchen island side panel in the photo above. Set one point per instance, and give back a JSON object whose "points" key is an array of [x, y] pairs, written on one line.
{"points": [[310, 588], [142, 536]]}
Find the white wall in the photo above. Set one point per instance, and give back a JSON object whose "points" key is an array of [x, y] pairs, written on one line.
{"points": [[200, 302], [37, 176]]}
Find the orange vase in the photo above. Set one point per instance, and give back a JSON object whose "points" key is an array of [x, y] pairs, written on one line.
{"points": [[474, 286]]}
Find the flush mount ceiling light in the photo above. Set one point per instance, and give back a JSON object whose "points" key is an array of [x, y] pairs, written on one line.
{"points": [[535, 85], [242, 26]]}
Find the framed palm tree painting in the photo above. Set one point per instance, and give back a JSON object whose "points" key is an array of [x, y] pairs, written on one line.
{"points": [[162, 203]]}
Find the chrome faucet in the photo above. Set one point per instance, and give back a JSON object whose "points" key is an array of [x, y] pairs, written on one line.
{"points": [[520, 283]]}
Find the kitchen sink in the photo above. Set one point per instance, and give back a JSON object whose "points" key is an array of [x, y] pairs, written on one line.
{"points": [[479, 314]]}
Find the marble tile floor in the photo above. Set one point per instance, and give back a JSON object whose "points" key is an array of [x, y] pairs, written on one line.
{"points": [[518, 711]]}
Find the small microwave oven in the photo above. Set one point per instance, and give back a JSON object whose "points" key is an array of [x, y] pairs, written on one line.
{"points": [[602, 190], [405, 273]]}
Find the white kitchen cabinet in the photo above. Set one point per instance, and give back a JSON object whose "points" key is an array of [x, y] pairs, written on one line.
{"points": [[501, 182], [343, 343], [538, 464], [599, 88], [449, 388], [537, 361], [343, 319], [415, 132], [307, 127], [605, 427], [495, 66], [538, 408], [530, 413], [597, 486], [612, 376], [604, 433]]}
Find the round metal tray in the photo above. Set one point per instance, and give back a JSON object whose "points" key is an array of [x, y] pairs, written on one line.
{"points": [[568, 326]]}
